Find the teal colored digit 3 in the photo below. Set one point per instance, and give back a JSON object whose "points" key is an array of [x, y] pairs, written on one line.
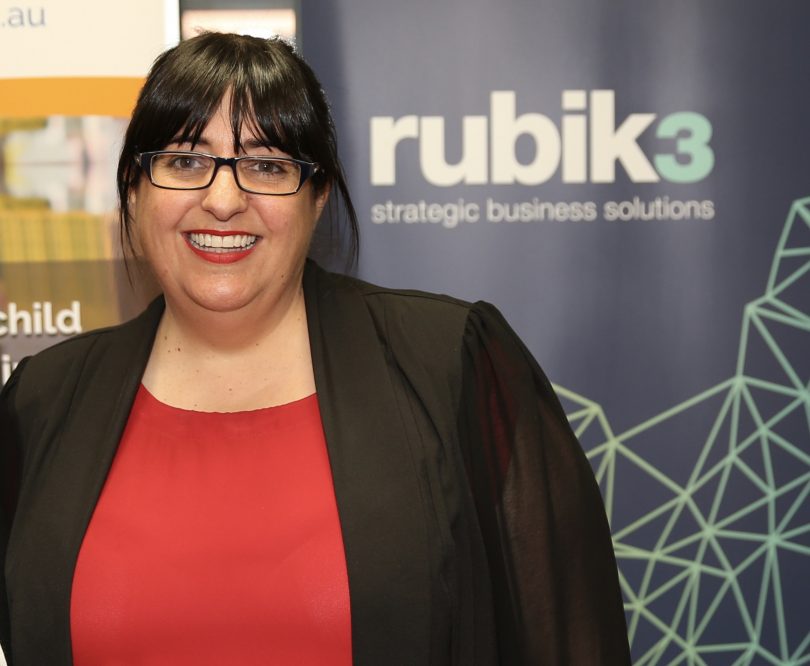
{"points": [[692, 133]]}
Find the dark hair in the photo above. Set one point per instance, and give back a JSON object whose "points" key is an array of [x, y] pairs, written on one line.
{"points": [[274, 93]]}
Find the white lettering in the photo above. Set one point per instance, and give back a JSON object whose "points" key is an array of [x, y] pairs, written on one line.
{"points": [[609, 143], [6, 367], [386, 133], [69, 322], [40, 320], [506, 128], [588, 144], [471, 169], [574, 137]]}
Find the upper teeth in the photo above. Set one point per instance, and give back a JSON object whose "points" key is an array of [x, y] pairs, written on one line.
{"points": [[214, 241]]}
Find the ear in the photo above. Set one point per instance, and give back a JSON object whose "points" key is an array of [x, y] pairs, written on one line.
{"points": [[135, 244], [132, 202], [321, 197]]}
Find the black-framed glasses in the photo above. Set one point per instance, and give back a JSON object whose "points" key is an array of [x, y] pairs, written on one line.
{"points": [[188, 170]]}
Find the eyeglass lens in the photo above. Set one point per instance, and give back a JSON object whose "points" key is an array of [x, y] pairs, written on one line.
{"points": [[259, 174]]}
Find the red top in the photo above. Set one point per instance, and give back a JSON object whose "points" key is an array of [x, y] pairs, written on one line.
{"points": [[215, 540]]}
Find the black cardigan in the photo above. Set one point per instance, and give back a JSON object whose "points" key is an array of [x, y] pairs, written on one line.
{"points": [[473, 527]]}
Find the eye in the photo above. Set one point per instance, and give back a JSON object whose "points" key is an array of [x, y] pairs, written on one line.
{"points": [[184, 162], [268, 168]]}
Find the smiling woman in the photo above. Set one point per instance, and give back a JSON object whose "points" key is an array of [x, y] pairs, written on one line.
{"points": [[276, 464], [174, 216]]}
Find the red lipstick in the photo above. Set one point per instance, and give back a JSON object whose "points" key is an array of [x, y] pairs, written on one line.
{"points": [[219, 255]]}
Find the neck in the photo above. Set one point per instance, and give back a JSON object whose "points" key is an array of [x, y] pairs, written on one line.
{"points": [[231, 361]]}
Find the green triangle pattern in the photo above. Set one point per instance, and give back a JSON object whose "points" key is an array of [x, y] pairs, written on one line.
{"points": [[700, 565]]}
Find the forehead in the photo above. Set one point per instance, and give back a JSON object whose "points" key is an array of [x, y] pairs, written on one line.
{"points": [[228, 127]]}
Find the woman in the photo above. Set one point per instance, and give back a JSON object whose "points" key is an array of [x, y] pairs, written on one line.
{"points": [[275, 464]]}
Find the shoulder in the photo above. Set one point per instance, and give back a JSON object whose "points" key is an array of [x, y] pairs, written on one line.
{"points": [[50, 371], [433, 333], [420, 313], [447, 336]]}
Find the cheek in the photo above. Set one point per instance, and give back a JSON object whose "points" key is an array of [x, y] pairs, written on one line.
{"points": [[148, 227], [306, 223], [283, 218], [159, 211]]}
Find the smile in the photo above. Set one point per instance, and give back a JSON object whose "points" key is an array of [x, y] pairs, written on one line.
{"points": [[220, 248], [216, 243]]}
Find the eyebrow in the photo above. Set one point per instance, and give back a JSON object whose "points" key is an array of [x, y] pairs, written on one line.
{"points": [[247, 144], [178, 140], [255, 143]]}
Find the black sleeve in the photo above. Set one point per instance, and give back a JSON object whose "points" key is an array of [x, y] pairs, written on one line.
{"points": [[10, 466], [554, 577]]}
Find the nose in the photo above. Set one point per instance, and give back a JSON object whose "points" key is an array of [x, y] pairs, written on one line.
{"points": [[223, 198]]}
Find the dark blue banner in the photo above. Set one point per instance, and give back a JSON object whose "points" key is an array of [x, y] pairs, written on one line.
{"points": [[628, 183]]}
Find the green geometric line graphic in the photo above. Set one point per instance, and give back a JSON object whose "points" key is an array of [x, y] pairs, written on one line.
{"points": [[712, 564]]}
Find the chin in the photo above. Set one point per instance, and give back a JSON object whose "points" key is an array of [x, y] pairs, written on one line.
{"points": [[214, 300], [222, 304]]}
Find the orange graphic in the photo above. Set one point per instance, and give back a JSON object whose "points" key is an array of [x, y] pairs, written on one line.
{"points": [[74, 96]]}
